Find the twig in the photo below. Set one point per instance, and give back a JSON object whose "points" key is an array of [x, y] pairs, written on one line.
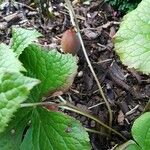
{"points": [[62, 100], [96, 105], [75, 24], [132, 111], [103, 61], [97, 132], [114, 147], [24, 5]]}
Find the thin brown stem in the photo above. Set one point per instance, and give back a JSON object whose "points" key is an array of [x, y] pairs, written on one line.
{"points": [[97, 132], [73, 108], [75, 23]]}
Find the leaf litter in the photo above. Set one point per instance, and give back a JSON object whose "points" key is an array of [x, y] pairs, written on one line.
{"points": [[125, 89]]}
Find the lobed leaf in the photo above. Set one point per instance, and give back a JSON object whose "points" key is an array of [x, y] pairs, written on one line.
{"points": [[132, 41], [22, 38], [11, 138], [14, 89], [56, 131], [8, 61], [56, 71]]}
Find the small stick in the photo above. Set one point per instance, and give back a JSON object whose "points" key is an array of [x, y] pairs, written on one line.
{"points": [[132, 111], [96, 105]]}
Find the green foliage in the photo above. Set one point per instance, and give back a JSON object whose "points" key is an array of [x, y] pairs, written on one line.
{"points": [[69, 133], [35, 128], [124, 5], [22, 38], [140, 133], [12, 137], [14, 86], [47, 66], [14, 89], [132, 41], [8, 61]]}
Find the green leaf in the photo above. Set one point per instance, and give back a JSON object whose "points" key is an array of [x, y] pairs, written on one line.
{"points": [[141, 131], [56, 71], [11, 138], [129, 145], [56, 131], [27, 141], [14, 89], [22, 38], [132, 41], [8, 61]]}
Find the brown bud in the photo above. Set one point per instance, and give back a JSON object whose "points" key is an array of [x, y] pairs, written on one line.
{"points": [[70, 42]]}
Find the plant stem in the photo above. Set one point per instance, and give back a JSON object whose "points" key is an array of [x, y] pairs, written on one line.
{"points": [[73, 108], [75, 23], [36, 104], [97, 132]]}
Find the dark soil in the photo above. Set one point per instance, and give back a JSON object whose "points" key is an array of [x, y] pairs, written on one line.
{"points": [[127, 91]]}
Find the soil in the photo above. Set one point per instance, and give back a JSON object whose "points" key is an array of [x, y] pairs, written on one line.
{"points": [[127, 91]]}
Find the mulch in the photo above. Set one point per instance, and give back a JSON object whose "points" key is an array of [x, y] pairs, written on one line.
{"points": [[127, 91]]}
